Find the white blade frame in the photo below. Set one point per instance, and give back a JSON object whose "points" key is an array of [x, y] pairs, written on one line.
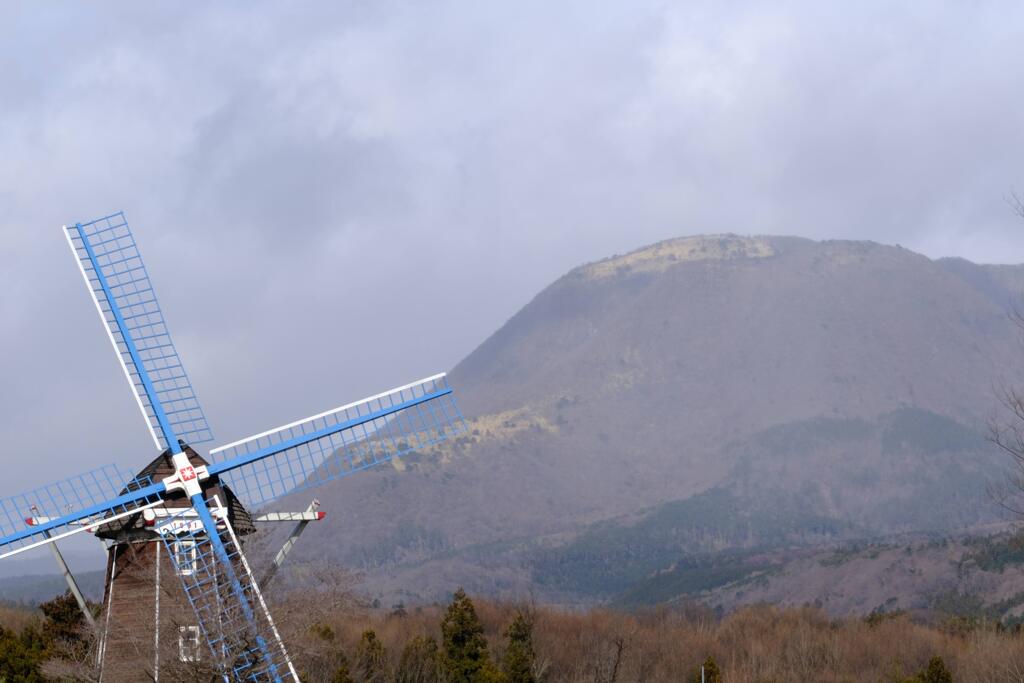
{"points": [[110, 336], [339, 409]]}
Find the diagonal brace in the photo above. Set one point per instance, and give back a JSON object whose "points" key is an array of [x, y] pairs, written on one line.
{"points": [[72, 583], [289, 544]]}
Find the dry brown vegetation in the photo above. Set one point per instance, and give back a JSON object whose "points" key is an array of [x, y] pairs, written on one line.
{"points": [[758, 644], [17, 618]]}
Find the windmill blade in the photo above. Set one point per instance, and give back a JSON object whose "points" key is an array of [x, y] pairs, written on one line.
{"points": [[240, 633], [71, 506], [339, 442], [120, 287]]}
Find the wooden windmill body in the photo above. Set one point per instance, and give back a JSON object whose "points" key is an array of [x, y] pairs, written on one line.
{"points": [[148, 626]]}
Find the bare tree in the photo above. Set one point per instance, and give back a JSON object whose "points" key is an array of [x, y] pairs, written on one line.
{"points": [[73, 663], [1007, 431], [1016, 202]]}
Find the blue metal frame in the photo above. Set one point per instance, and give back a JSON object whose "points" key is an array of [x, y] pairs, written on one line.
{"points": [[120, 283], [102, 492], [262, 453], [158, 409], [199, 504], [242, 642], [340, 442]]}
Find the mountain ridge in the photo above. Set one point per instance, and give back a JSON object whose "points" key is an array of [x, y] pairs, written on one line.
{"points": [[652, 377]]}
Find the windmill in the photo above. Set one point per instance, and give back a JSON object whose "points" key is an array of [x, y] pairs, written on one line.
{"points": [[194, 503]]}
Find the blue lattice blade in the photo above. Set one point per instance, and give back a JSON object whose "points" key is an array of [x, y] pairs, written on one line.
{"points": [[339, 442], [71, 503], [119, 284], [232, 618]]}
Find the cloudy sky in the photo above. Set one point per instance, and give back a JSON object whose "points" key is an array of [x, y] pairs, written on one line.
{"points": [[337, 197]]}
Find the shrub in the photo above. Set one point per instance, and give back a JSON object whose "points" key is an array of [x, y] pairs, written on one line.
{"points": [[371, 659]]}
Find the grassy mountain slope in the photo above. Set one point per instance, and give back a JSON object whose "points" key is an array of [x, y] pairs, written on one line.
{"points": [[826, 389]]}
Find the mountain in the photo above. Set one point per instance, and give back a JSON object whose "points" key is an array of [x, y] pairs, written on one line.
{"points": [[33, 589], [973, 577], [708, 394]]}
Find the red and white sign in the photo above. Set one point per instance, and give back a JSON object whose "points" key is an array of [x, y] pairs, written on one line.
{"points": [[187, 473]]}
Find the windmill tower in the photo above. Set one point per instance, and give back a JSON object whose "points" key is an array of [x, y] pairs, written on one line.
{"points": [[148, 626], [183, 515], [148, 629]]}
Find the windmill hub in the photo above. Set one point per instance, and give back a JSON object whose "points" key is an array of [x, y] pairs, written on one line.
{"points": [[186, 477]]}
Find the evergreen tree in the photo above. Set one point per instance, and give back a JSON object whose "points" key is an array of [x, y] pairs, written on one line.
{"points": [[64, 626], [419, 662], [935, 672], [371, 659], [64, 619], [465, 649], [519, 656], [21, 655], [712, 674]]}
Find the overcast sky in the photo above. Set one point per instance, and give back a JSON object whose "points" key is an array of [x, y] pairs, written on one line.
{"points": [[334, 198]]}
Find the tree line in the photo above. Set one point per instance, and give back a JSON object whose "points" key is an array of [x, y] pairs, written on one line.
{"points": [[486, 641]]}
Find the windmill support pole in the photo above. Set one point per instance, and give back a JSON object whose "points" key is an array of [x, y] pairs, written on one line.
{"points": [[287, 547], [72, 583]]}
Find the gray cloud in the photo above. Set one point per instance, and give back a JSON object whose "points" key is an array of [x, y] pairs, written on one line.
{"points": [[334, 198]]}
